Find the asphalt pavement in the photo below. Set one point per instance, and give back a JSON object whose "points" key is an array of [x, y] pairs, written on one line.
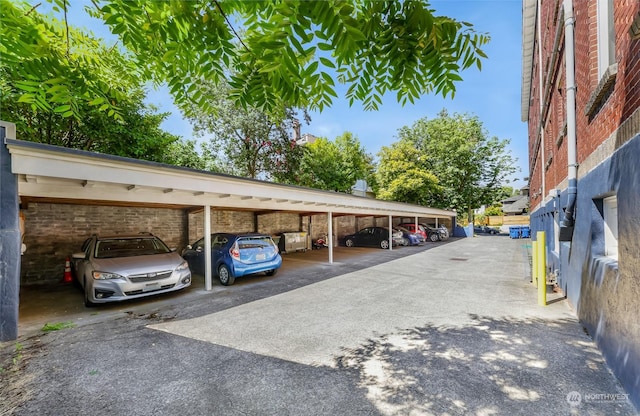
{"points": [[445, 329]]}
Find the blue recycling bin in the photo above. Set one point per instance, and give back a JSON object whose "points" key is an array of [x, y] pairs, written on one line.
{"points": [[525, 232], [514, 232]]}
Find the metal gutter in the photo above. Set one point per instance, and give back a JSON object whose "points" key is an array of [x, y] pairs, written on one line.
{"points": [[566, 227]]}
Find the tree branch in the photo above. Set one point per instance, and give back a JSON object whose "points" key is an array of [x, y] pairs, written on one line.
{"points": [[230, 25], [32, 9], [66, 25]]}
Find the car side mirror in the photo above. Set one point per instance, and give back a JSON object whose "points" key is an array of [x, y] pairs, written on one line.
{"points": [[78, 256]]}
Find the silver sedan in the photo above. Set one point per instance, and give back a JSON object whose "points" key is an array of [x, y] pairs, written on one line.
{"points": [[116, 268]]}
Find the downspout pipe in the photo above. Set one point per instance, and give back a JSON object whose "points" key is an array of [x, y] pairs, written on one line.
{"points": [[566, 226]]}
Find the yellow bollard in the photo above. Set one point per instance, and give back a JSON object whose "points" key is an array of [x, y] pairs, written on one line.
{"points": [[534, 263], [542, 268]]}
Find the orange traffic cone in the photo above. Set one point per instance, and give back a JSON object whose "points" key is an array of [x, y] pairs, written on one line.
{"points": [[67, 278]]}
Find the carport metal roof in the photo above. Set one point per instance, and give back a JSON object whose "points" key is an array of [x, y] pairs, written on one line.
{"points": [[57, 174]]}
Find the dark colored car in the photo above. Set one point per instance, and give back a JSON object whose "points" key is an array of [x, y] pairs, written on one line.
{"points": [[441, 232], [115, 268], [373, 237], [235, 255], [483, 229]]}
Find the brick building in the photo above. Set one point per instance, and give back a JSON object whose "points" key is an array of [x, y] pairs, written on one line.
{"points": [[581, 99]]}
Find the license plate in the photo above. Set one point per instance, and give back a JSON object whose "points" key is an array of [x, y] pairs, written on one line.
{"points": [[151, 286], [260, 256]]}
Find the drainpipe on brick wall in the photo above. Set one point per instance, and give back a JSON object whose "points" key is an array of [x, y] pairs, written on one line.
{"points": [[566, 227]]}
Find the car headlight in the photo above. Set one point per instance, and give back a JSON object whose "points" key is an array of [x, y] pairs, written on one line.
{"points": [[105, 275], [183, 266]]}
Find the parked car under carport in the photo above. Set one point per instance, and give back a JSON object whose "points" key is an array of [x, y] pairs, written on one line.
{"points": [[373, 237], [235, 255]]}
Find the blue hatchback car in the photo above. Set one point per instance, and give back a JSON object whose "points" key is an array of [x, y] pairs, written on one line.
{"points": [[235, 255]]}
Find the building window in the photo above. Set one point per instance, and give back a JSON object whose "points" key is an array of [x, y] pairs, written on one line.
{"points": [[607, 66], [610, 214], [606, 37]]}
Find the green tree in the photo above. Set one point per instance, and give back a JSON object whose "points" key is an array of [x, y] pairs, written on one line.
{"points": [[402, 175], [184, 153], [504, 193], [75, 122], [493, 211], [470, 166], [247, 141], [135, 134], [335, 166], [53, 67], [282, 53]]}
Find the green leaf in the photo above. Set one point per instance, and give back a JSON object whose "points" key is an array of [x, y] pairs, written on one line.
{"points": [[26, 98], [96, 101], [327, 62], [62, 108]]}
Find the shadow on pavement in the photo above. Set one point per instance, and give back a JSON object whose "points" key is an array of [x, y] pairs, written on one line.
{"points": [[493, 366]]}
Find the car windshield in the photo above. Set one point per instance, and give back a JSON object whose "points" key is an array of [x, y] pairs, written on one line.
{"points": [[255, 242], [129, 247]]}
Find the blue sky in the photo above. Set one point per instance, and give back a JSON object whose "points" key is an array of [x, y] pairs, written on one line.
{"points": [[492, 94]]}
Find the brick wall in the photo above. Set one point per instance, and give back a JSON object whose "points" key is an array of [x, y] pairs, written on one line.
{"points": [[279, 222], [592, 128], [55, 231], [222, 221], [621, 102], [343, 225]]}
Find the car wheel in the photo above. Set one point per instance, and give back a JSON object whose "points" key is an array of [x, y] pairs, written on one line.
{"points": [[405, 242], [348, 242], [271, 272], [225, 276], [434, 237], [384, 244]]}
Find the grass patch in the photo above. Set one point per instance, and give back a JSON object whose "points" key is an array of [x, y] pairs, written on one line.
{"points": [[57, 326]]}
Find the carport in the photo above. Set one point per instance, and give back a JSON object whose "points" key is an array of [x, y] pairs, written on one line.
{"points": [[39, 172]]}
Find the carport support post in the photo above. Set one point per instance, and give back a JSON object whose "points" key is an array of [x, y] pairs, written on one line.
{"points": [[10, 237], [207, 247], [330, 235], [390, 232]]}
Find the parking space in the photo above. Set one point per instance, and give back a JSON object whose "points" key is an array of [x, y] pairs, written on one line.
{"points": [[448, 328], [52, 303], [59, 302]]}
